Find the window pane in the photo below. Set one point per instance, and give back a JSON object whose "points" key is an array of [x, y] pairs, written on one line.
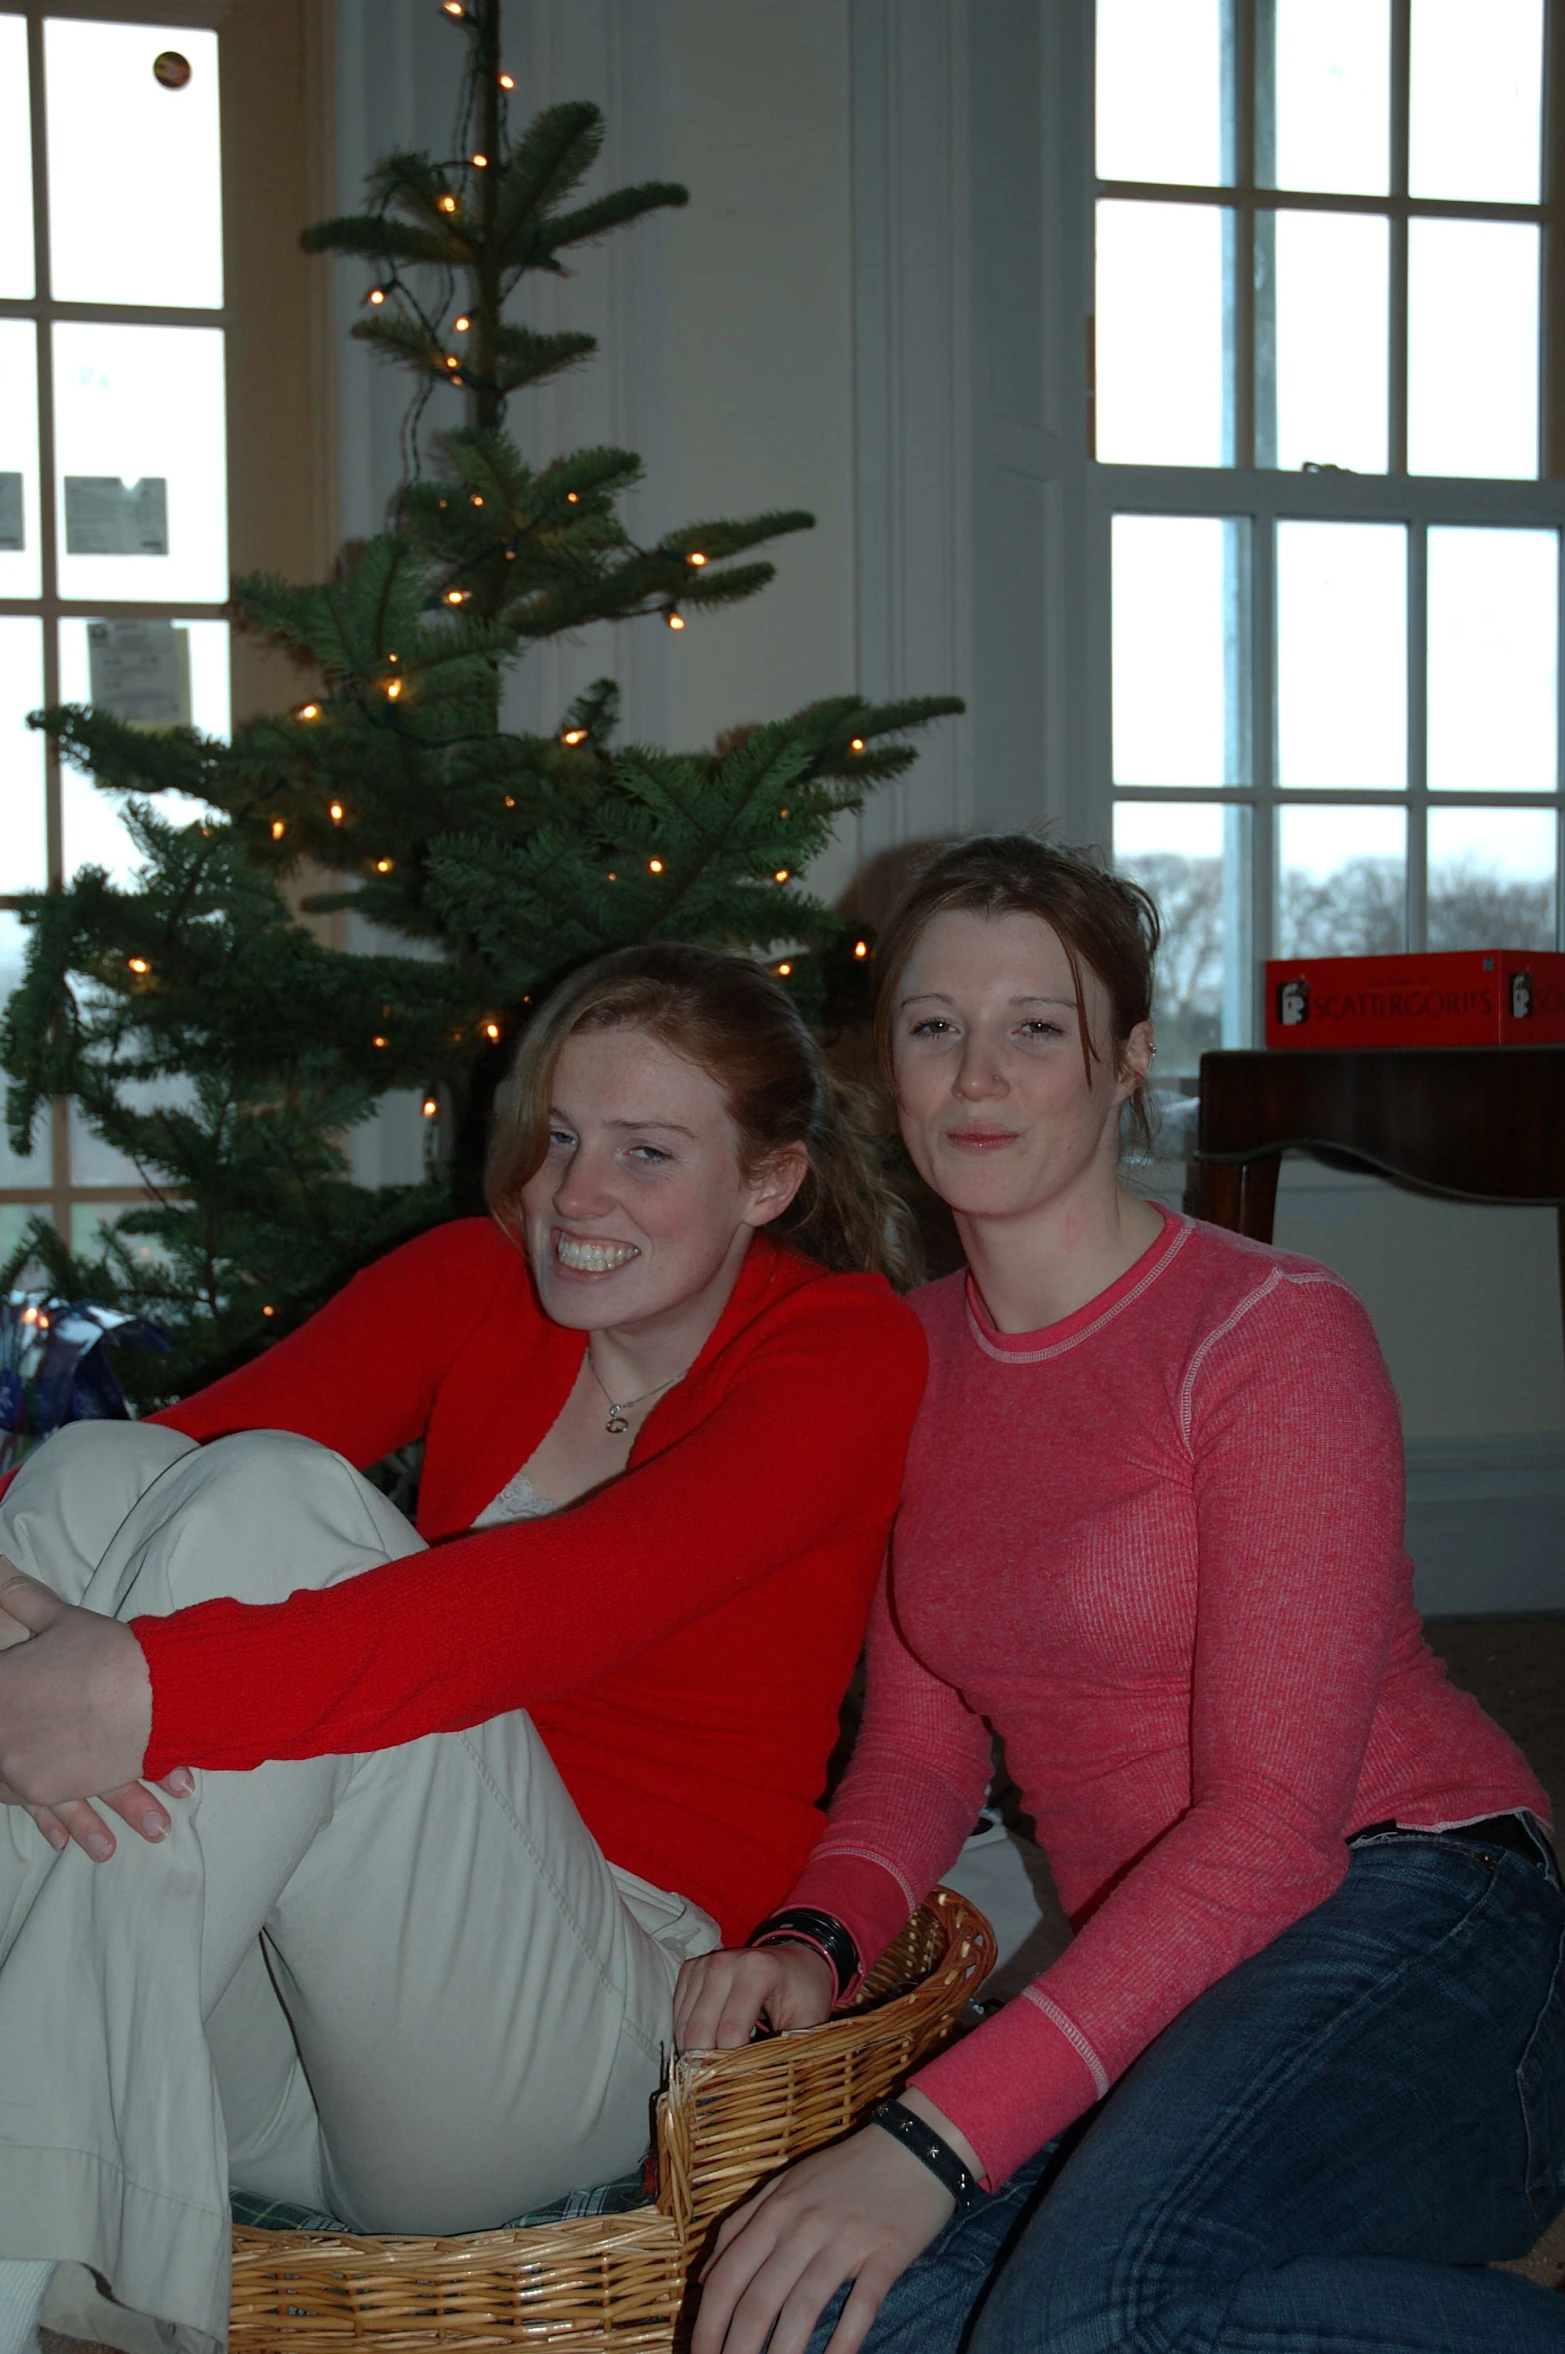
{"points": [[140, 445], [1342, 656], [1476, 100], [16, 165], [20, 575], [23, 858], [1341, 882], [15, 1218], [1161, 362], [1333, 96], [1493, 599], [1472, 348], [1194, 859], [1331, 341], [16, 1168], [135, 190], [1160, 91], [1178, 684], [1491, 878], [90, 1220], [93, 831]]}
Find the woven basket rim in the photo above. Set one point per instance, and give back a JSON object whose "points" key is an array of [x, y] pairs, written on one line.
{"points": [[648, 2222]]}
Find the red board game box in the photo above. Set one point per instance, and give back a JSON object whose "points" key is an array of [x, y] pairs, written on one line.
{"points": [[1450, 997]]}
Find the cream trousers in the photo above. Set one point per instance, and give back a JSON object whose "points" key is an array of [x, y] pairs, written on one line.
{"points": [[406, 1987]]}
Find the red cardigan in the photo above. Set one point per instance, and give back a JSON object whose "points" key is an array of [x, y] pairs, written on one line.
{"points": [[681, 1638]]}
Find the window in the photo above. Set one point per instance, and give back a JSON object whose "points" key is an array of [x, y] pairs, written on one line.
{"points": [[1332, 558]]}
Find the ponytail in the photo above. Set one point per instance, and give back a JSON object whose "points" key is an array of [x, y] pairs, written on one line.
{"points": [[847, 1213]]}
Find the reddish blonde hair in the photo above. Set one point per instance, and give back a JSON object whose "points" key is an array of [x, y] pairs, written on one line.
{"points": [[732, 1020]]}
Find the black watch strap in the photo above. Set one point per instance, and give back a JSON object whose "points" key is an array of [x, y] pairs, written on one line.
{"points": [[930, 2148], [801, 1924]]}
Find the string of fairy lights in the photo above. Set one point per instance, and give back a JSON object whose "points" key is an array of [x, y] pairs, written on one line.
{"points": [[455, 370]]}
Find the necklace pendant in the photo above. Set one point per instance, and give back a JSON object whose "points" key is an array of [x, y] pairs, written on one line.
{"points": [[616, 1424]]}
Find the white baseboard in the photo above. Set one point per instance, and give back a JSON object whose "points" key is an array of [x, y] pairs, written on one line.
{"points": [[1486, 1525]]}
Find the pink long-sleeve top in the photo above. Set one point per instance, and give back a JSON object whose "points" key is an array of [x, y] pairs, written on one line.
{"points": [[1158, 1546]]}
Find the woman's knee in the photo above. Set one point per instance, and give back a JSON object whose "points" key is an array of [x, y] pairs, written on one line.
{"points": [[263, 1513], [73, 1493]]}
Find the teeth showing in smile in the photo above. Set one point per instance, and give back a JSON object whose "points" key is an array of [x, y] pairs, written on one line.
{"points": [[593, 1258]]}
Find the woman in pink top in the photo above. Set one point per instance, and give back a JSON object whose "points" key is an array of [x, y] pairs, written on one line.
{"points": [[1301, 2073]]}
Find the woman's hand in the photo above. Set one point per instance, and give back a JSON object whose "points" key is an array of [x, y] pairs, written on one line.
{"points": [[75, 1716], [860, 2212], [722, 1997]]}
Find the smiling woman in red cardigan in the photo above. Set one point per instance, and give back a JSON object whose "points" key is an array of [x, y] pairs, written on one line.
{"points": [[509, 1778]]}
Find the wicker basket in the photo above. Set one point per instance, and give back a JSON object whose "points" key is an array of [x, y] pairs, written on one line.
{"points": [[615, 2283]]}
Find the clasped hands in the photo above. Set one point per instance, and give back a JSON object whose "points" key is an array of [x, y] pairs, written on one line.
{"points": [[857, 2212], [75, 1719]]}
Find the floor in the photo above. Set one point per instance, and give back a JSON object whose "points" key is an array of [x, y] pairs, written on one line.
{"points": [[1516, 1668]]}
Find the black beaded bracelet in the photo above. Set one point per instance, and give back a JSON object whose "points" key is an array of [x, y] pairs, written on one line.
{"points": [[930, 2148], [802, 1925]]}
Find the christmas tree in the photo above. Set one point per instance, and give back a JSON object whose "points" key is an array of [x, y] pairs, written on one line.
{"points": [[207, 1033]]}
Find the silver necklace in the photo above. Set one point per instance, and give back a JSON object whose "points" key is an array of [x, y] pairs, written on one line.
{"points": [[617, 1423]]}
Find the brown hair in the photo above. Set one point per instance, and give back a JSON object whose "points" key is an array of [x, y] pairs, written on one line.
{"points": [[1102, 921], [732, 1020]]}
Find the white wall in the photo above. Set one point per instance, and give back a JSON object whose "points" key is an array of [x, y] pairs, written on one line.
{"points": [[874, 307]]}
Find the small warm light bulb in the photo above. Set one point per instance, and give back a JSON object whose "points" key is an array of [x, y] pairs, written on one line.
{"points": [[393, 657], [430, 1107], [785, 970], [491, 1029], [782, 812], [781, 876], [508, 81], [383, 866], [268, 1310], [453, 7], [861, 948], [857, 744], [377, 1042], [695, 559], [278, 829], [573, 498], [448, 204], [451, 362], [477, 501], [480, 163], [463, 325], [393, 689], [574, 735], [336, 813], [509, 802], [377, 295], [614, 878], [138, 964], [456, 596], [654, 866], [309, 711], [675, 620]]}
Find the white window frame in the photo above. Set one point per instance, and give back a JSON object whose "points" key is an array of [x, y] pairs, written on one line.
{"points": [[60, 1197], [1266, 497]]}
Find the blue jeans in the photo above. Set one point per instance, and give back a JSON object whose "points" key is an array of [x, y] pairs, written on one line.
{"points": [[1320, 2156]]}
